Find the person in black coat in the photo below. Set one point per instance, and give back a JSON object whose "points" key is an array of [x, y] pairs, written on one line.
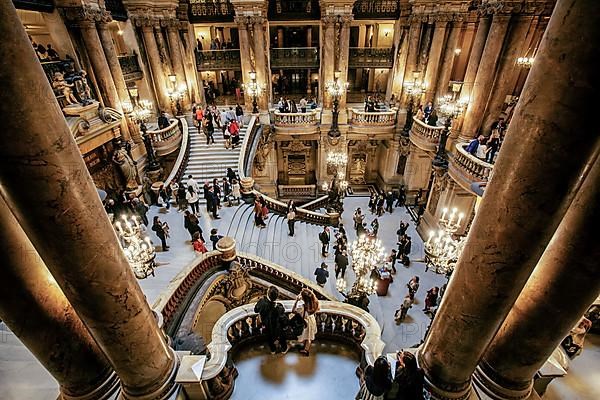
{"points": [[324, 237], [401, 196], [212, 203], [377, 380], [408, 380], [159, 229], [214, 237], [341, 262], [271, 317], [389, 202], [190, 222]]}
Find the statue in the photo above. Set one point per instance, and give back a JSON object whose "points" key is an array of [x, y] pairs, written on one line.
{"points": [[82, 89], [60, 84], [262, 152], [127, 166]]}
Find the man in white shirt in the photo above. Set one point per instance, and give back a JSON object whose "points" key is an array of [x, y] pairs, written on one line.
{"points": [[191, 182], [303, 103]]}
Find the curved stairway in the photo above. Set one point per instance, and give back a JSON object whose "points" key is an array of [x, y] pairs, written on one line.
{"points": [[300, 253], [206, 162]]}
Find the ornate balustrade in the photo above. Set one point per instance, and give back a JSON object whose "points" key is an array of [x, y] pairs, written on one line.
{"points": [[218, 59], [245, 170], [335, 320], [467, 169], [296, 123], [316, 204], [376, 9], [364, 122], [130, 66], [297, 191], [424, 136], [211, 11], [182, 158], [167, 140], [295, 57], [371, 57]]}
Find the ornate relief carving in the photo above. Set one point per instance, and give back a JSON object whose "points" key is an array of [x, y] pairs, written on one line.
{"points": [[265, 145], [86, 14]]}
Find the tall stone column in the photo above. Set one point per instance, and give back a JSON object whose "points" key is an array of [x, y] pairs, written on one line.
{"points": [[564, 284], [433, 61], [475, 57], [448, 60], [188, 46], [414, 36], [396, 77], [158, 74], [263, 75], [485, 77], [507, 69], [117, 76], [327, 57], [176, 57], [36, 310], [344, 50], [242, 23], [499, 257], [60, 211]]}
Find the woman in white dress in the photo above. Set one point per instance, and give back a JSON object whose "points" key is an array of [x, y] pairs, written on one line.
{"points": [[307, 306]]}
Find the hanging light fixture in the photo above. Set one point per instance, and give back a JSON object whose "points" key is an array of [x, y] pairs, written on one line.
{"points": [[137, 247], [442, 250], [367, 253]]}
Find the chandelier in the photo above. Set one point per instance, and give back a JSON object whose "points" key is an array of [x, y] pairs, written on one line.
{"points": [[137, 247], [525, 62], [336, 88], [337, 159], [442, 250], [449, 105], [140, 112], [416, 87], [367, 253]]}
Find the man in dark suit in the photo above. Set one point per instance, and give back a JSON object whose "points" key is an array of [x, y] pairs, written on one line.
{"points": [[324, 237], [341, 262]]}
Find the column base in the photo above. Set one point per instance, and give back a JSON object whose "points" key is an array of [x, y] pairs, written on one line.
{"points": [[486, 383], [105, 391], [166, 391], [447, 392]]}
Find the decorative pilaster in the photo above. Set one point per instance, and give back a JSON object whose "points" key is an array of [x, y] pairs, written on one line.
{"points": [[328, 59], [261, 64], [344, 49]]}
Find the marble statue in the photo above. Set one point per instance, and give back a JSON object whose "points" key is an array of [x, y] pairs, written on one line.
{"points": [[60, 84], [82, 88], [127, 167]]}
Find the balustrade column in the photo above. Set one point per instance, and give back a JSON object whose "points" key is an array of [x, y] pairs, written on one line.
{"points": [[433, 61], [260, 59], [158, 75], [448, 63], [176, 57], [485, 77], [38, 313], [414, 36], [60, 211], [499, 258], [475, 56], [119, 80], [396, 78], [242, 23], [515, 46], [344, 49]]}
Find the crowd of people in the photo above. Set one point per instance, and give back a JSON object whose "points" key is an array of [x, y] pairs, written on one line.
{"points": [[380, 382], [229, 120], [288, 105], [486, 148]]}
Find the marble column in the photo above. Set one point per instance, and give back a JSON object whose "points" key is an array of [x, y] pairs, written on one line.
{"points": [[344, 50], [242, 24], [414, 36], [433, 61], [499, 257], [564, 284], [61, 213], [327, 57], [158, 75], [484, 80], [176, 57], [475, 56], [38, 313], [280, 37], [263, 76], [508, 69], [195, 87], [119, 80], [396, 77], [448, 60]]}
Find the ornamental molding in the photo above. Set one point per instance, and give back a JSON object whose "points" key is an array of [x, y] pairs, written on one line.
{"points": [[509, 7], [85, 15]]}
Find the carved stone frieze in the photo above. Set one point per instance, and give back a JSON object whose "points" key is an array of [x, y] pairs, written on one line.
{"points": [[507, 7], [85, 14]]}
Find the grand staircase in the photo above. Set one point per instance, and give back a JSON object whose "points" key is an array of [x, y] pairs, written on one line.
{"points": [[207, 162], [300, 253]]}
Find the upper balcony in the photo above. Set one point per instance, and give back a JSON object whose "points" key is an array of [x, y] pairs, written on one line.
{"points": [[211, 11], [372, 122], [467, 169], [376, 9], [371, 57], [218, 59], [295, 57], [425, 137], [130, 66], [166, 141], [296, 123], [289, 10]]}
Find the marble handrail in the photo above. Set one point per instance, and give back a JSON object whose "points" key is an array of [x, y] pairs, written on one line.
{"points": [[364, 118], [295, 119], [297, 191], [427, 133], [181, 161], [478, 170], [320, 202], [161, 135], [333, 318]]}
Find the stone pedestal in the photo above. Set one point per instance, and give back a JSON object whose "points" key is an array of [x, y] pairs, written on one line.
{"points": [[226, 245], [246, 185]]}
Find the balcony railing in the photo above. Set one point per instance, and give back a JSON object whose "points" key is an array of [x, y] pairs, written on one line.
{"points": [[290, 120], [371, 57], [218, 59], [167, 140], [297, 191], [424, 136], [130, 66], [363, 118], [285, 10], [295, 57], [467, 169], [376, 9], [211, 11]]}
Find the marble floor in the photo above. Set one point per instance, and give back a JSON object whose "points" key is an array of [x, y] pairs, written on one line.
{"points": [[22, 377]]}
